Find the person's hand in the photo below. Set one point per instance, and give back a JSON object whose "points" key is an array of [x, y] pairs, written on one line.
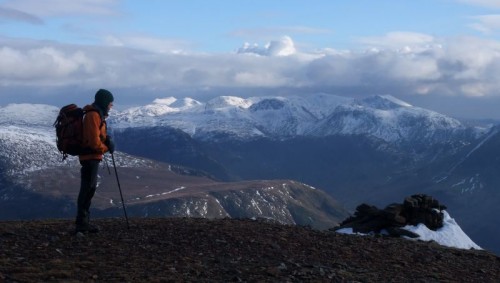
{"points": [[110, 144]]}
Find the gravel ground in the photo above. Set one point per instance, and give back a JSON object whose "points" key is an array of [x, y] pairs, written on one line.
{"points": [[225, 250]]}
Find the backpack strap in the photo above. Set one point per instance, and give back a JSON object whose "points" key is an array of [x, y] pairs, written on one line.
{"points": [[103, 121]]}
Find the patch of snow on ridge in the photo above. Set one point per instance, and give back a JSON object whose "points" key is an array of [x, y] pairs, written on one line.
{"points": [[450, 235], [396, 100], [382, 102]]}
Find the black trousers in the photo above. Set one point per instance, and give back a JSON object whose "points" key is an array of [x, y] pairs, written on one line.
{"points": [[88, 187]]}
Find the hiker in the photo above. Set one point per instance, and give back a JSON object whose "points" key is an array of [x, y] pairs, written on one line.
{"points": [[94, 137]]}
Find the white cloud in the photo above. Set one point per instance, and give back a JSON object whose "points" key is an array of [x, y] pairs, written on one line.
{"points": [[44, 66], [484, 3], [282, 47], [486, 24], [462, 67], [399, 40], [148, 43]]}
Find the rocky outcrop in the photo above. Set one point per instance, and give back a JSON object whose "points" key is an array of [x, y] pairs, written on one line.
{"points": [[414, 210]]}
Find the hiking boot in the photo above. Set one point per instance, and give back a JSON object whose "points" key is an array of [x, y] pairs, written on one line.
{"points": [[87, 228]]}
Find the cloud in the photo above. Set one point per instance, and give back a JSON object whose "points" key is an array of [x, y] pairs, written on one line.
{"points": [[483, 3], [282, 47], [398, 40], [50, 8], [486, 24], [19, 16], [148, 43], [273, 32], [427, 66], [42, 66]]}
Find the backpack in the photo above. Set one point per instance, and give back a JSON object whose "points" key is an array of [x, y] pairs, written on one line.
{"points": [[69, 131]]}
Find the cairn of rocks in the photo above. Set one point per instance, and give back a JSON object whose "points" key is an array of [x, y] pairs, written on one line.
{"points": [[414, 210]]}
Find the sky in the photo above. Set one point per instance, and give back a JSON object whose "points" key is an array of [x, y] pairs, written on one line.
{"points": [[442, 55]]}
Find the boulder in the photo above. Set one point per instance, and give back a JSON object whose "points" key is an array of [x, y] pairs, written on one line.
{"points": [[414, 210]]}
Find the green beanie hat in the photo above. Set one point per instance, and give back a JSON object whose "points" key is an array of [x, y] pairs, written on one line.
{"points": [[103, 98]]}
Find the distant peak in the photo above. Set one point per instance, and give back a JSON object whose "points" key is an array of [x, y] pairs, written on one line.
{"points": [[268, 104], [384, 102], [185, 103], [175, 103], [225, 101]]}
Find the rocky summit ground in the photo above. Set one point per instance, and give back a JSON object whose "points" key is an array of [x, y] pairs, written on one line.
{"points": [[225, 250]]}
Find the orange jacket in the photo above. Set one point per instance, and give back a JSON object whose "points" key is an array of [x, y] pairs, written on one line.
{"points": [[94, 134]]}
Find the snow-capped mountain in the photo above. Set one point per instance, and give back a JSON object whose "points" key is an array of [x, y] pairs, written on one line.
{"points": [[383, 117], [27, 139], [235, 116], [391, 120], [28, 115]]}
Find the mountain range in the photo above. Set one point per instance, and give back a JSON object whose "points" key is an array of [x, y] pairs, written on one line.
{"points": [[36, 183], [374, 150]]}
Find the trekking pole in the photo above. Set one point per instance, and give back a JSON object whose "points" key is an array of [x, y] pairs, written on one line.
{"points": [[120, 189], [107, 165]]}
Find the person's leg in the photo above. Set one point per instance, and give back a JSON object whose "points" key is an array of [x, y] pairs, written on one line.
{"points": [[88, 187]]}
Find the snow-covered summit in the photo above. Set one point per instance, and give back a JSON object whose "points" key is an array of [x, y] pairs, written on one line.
{"points": [[384, 102], [185, 103], [227, 102], [159, 107], [176, 104], [389, 119]]}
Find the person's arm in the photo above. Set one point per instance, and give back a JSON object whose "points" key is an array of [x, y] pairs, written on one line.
{"points": [[92, 133]]}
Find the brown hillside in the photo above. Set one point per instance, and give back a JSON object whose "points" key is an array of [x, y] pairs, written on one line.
{"points": [[224, 250]]}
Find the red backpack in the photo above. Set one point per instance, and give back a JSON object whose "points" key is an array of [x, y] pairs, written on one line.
{"points": [[69, 131]]}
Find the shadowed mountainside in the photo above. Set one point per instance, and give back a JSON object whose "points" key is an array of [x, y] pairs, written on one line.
{"points": [[223, 250], [161, 190]]}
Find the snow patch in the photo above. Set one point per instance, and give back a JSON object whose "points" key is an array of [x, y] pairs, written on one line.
{"points": [[450, 235]]}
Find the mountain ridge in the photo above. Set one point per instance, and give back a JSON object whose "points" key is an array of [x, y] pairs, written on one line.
{"points": [[223, 250], [382, 116]]}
